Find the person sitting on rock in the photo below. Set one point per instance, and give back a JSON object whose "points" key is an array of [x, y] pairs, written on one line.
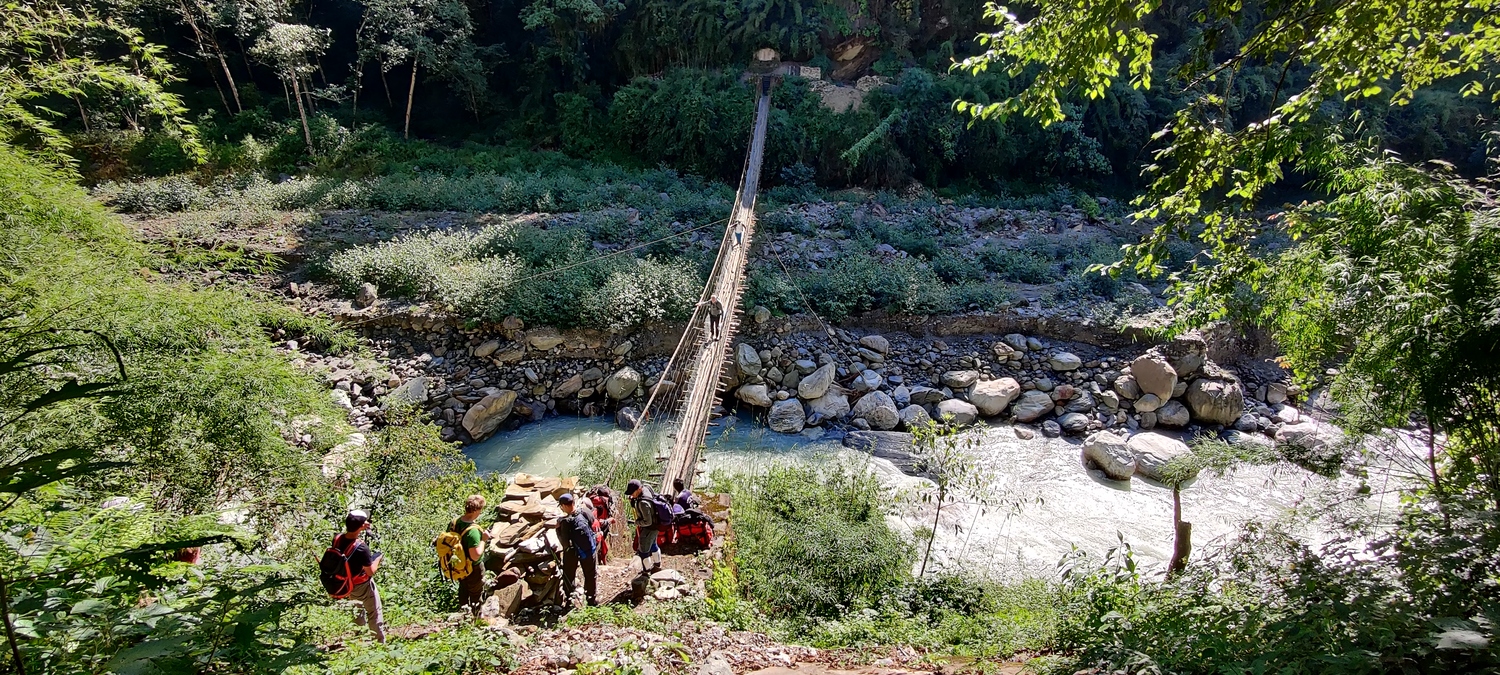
{"points": [[576, 530]]}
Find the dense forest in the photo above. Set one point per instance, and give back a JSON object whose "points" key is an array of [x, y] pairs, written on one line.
{"points": [[334, 87]]}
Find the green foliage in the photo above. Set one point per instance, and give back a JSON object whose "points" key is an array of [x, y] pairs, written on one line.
{"points": [[1269, 603], [816, 543]]}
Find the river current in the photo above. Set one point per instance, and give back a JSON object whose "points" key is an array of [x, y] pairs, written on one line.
{"points": [[1040, 504]]}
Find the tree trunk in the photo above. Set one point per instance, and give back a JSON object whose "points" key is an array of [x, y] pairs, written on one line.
{"points": [[359, 82], [928, 553], [233, 89], [301, 112], [387, 85], [1182, 536], [10, 629], [410, 91]]}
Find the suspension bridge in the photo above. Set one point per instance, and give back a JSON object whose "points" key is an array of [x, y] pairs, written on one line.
{"points": [[689, 386]]}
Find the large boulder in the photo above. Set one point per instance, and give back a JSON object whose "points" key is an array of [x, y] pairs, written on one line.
{"points": [[543, 339], [628, 418], [868, 380], [891, 445], [747, 360], [1152, 451], [991, 397], [878, 409], [1016, 341], [817, 383], [921, 395], [1147, 403], [954, 411], [786, 416], [1154, 375], [1310, 434], [830, 406], [1216, 400], [623, 383], [484, 417], [1172, 414], [486, 348], [877, 343], [754, 394], [1187, 353], [1031, 406], [366, 296], [960, 379], [1126, 387], [1065, 361], [1074, 423], [412, 393], [1108, 452], [914, 417], [568, 387]]}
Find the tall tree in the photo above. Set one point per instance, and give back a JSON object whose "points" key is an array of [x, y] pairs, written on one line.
{"points": [[292, 50], [431, 34], [51, 50], [1387, 282]]}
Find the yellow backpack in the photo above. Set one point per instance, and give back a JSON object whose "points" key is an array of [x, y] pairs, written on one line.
{"points": [[453, 560]]}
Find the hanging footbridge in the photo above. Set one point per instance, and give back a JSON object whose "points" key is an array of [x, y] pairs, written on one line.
{"points": [[688, 388]]}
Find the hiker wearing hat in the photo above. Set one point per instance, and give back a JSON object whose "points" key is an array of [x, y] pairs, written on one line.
{"points": [[360, 565], [651, 514], [576, 530]]}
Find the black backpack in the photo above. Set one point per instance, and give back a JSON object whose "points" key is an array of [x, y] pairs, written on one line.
{"points": [[333, 570]]}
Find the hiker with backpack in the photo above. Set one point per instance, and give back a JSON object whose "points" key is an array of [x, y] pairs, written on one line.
{"points": [[652, 514], [460, 552], [578, 532], [347, 571]]}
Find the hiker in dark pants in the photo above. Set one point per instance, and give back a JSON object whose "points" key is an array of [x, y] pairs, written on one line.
{"points": [[646, 524], [471, 588], [576, 529], [360, 558], [715, 315]]}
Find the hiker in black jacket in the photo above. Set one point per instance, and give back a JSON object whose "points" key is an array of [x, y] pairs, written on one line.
{"points": [[576, 530], [641, 499]]}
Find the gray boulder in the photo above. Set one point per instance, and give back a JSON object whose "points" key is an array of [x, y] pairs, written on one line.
{"points": [[623, 383], [960, 379], [1147, 403], [747, 360], [1074, 423], [1016, 341], [926, 395], [1310, 434], [1216, 401], [484, 417], [786, 417], [544, 339], [914, 417], [991, 397], [628, 418], [890, 445], [816, 384], [1187, 353], [830, 406], [1152, 451], [568, 387], [1031, 406], [754, 394], [1108, 452], [1172, 414], [1127, 388], [413, 392], [366, 295], [877, 343], [486, 348], [868, 380], [1154, 375], [878, 409], [1065, 361], [954, 411]]}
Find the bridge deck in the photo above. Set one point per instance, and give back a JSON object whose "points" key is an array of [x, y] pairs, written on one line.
{"points": [[705, 361]]}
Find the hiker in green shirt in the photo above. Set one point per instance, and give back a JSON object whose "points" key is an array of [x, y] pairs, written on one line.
{"points": [[471, 588]]}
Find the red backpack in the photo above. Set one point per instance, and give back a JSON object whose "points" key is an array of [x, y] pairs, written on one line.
{"points": [[334, 572]]}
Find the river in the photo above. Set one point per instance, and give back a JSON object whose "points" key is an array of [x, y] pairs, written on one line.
{"points": [[1041, 503]]}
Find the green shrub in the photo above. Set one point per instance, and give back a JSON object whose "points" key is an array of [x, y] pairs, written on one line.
{"points": [[650, 291], [816, 542]]}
